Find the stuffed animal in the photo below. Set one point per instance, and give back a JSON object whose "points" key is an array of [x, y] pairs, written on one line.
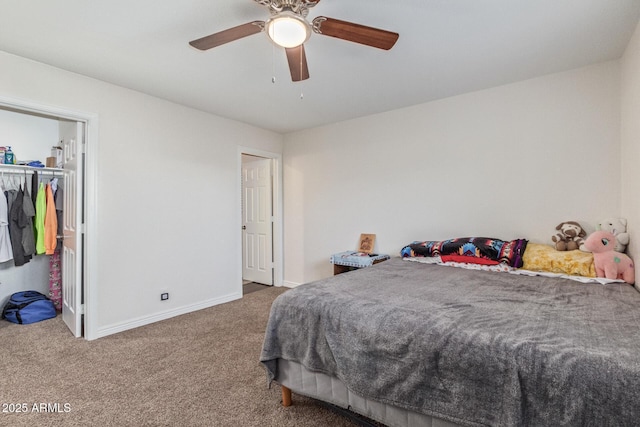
{"points": [[569, 236], [609, 263], [617, 227]]}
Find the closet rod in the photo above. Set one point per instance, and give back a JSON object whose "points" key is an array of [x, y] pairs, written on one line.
{"points": [[20, 169]]}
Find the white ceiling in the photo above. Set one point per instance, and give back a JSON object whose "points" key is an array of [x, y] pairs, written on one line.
{"points": [[446, 47]]}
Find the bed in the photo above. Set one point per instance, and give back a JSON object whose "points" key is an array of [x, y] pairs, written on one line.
{"points": [[412, 344]]}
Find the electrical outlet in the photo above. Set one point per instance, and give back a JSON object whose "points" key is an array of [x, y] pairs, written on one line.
{"points": [[164, 296]]}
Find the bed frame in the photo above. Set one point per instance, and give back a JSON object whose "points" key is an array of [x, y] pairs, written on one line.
{"points": [[293, 377]]}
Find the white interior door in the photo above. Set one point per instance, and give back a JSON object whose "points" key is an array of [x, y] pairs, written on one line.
{"points": [[257, 259], [72, 228]]}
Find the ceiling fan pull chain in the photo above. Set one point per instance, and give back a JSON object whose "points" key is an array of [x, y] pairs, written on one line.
{"points": [[273, 64], [301, 53]]}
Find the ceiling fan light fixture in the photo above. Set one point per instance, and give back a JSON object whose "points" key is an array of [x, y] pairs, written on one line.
{"points": [[288, 29]]}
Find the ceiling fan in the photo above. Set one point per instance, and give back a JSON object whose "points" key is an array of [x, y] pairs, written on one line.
{"points": [[289, 28]]}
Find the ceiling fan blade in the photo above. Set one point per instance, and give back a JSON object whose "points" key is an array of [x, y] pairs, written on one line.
{"points": [[228, 35], [297, 63], [356, 33]]}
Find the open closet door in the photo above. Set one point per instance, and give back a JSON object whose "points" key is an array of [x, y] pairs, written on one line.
{"points": [[72, 228]]}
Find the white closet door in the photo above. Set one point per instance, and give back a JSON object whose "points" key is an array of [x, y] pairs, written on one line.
{"points": [[72, 231], [256, 223]]}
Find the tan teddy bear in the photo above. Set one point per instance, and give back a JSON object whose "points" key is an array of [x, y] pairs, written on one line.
{"points": [[569, 237]]}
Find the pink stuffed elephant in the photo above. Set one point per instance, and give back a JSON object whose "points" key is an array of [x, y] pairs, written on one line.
{"points": [[609, 263]]}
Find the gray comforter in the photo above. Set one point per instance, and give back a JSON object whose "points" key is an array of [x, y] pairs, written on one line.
{"points": [[473, 347]]}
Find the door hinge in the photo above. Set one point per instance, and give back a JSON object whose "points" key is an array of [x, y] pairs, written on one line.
{"points": [[81, 309]]}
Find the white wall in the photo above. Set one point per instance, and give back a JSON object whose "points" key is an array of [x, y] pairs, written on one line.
{"points": [[507, 162], [33, 276], [168, 199], [30, 137], [630, 137]]}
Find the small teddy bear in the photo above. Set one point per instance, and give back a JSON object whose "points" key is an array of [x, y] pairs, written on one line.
{"points": [[569, 237], [609, 263], [617, 227]]}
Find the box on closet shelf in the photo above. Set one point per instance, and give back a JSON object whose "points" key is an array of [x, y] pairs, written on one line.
{"points": [[56, 153]]}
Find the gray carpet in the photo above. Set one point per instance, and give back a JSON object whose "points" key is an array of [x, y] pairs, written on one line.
{"points": [[199, 369]]}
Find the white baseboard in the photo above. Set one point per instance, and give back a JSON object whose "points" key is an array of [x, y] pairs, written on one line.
{"points": [[146, 320]]}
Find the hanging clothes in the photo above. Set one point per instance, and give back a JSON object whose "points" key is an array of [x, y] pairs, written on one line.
{"points": [[55, 269], [41, 209], [50, 223], [10, 194], [28, 237], [55, 279], [59, 199], [6, 252], [17, 223], [34, 187]]}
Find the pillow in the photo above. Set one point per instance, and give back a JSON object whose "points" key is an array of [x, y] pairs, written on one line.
{"points": [[479, 250], [468, 259], [538, 257]]}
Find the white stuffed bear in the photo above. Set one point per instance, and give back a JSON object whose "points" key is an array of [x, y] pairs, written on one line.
{"points": [[617, 227]]}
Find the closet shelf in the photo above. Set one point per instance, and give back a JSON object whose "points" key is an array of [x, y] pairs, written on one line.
{"points": [[29, 170]]}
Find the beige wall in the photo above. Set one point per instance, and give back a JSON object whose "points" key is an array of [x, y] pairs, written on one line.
{"points": [[507, 162], [168, 194], [630, 137]]}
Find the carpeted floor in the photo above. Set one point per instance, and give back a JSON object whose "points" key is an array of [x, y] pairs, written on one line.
{"points": [[199, 369], [249, 287]]}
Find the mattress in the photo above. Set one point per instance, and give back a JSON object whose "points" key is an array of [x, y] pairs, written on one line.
{"points": [[330, 389]]}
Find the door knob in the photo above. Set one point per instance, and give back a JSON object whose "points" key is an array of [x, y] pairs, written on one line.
{"points": [[244, 227]]}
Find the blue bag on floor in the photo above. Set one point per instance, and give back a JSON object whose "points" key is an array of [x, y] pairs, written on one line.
{"points": [[28, 307]]}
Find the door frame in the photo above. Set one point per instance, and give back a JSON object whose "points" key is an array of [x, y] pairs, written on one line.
{"points": [[276, 200], [90, 196]]}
